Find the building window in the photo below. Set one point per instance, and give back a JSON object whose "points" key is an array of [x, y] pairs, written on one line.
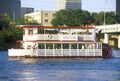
{"points": [[53, 14], [46, 14], [30, 31], [46, 21], [29, 47]]}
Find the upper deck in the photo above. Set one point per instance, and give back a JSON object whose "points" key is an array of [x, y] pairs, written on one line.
{"points": [[58, 33]]}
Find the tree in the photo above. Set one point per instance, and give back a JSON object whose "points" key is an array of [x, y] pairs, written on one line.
{"points": [[26, 21], [4, 21], [110, 18], [30, 21], [118, 18], [8, 36], [71, 17], [9, 33]]}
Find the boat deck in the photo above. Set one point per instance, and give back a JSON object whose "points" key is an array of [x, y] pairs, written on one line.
{"points": [[56, 53]]}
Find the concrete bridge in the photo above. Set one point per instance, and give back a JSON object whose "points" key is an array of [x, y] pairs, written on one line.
{"points": [[111, 34]]}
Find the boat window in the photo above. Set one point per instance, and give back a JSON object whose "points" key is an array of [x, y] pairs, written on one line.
{"points": [[41, 46], [87, 32], [49, 46], [65, 46], [29, 47], [57, 46], [51, 31], [81, 46], [40, 31], [84, 31], [23, 31], [30, 31], [73, 46]]}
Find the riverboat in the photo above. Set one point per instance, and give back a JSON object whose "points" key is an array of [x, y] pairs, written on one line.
{"points": [[59, 42]]}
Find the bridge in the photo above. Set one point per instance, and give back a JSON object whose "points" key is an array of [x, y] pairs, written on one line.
{"points": [[111, 33]]}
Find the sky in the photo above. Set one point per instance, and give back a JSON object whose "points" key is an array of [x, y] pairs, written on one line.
{"points": [[90, 5]]}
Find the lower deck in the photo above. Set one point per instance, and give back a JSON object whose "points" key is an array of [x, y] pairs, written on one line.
{"points": [[55, 53], [53, 49]]}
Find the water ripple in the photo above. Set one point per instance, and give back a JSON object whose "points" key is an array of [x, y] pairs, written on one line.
{"points": [[77, 69]]}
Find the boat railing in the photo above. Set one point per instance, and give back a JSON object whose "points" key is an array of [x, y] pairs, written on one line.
{"points": [[57, 37], [69, 52], [56, 52]]}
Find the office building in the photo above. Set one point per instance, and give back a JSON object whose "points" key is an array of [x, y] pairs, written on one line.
{"points": [[68, 4], [25, 10], [118, 7], [12, 7]]}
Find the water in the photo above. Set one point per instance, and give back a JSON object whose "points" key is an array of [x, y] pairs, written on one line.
{"points": [[76, 69]]}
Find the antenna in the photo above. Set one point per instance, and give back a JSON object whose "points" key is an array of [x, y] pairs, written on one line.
{"points": [[105, 13]]}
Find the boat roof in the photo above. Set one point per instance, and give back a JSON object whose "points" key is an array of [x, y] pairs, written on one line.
{"points": [[53, 27]]}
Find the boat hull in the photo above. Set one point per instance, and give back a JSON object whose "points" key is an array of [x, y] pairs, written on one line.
{"points": [[57, 57], [58, 53]]}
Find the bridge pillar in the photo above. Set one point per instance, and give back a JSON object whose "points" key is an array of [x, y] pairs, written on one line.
{"points": [[119, 41], [106, 37]]}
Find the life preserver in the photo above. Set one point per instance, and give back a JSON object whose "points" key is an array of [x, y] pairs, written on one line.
{"points": [[50, 36]]}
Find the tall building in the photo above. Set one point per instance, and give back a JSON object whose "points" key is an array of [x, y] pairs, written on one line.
{"points": [[68, 4], [118, 7], [12, 7], [25, 10]]}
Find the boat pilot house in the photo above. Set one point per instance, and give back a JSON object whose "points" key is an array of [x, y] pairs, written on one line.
{"points": [[59, 42]]}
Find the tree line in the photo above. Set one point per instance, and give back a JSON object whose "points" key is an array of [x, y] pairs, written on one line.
{"points": [[9, 33], [79, 17]]}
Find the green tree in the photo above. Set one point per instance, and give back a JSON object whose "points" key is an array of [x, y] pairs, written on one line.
{"points": [[110, 18], [99, 18], [30, 21], [9, 33], [8, 37], [4, 21], [71, 17], [118, 18], [26, 21]]}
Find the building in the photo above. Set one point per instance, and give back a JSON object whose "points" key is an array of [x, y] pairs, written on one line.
{"points": [[12, 7], [47, 17], [34, 16], [68, 4], [118, 7], [25, 10], [42, 17]]}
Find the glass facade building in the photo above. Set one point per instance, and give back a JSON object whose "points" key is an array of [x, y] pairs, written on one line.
{"points": [[118, 7], [68, 4], [25, 10], [12, 7]]}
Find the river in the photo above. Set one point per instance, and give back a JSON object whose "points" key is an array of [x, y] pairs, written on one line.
{"points": [[74, 69]]}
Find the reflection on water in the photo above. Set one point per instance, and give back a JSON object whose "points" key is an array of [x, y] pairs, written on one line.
{"points": [[77, 69]]}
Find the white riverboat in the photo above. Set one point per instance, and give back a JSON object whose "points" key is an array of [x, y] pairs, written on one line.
{"points": [[59, 42]]}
